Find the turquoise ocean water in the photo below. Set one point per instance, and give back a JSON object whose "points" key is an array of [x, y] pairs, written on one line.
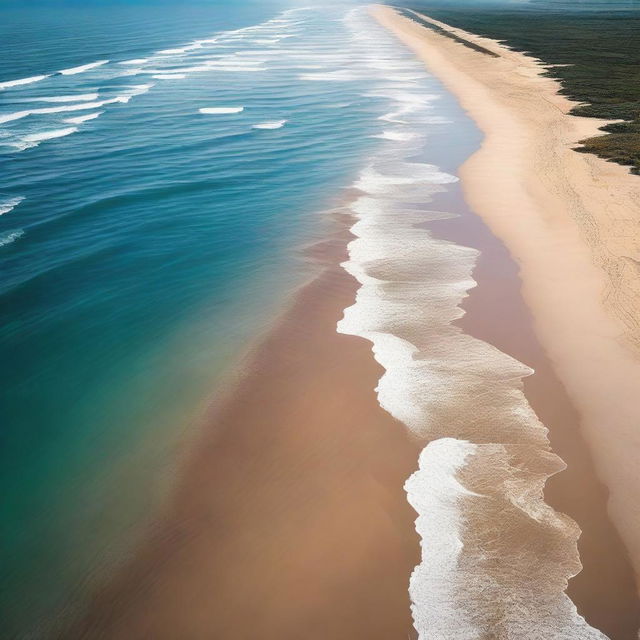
{"points": [[161, 165]]}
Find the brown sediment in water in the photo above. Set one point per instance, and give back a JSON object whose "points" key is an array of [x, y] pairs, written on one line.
{"points": [[290, 519]]}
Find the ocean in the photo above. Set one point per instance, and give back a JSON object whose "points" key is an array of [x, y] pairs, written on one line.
{"points": [[163, 167]]}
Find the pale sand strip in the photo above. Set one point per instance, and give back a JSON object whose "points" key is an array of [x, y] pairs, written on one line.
{"points": [[572, 222]]}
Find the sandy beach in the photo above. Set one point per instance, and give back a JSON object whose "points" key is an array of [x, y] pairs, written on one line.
{"points": [[570, 221]]}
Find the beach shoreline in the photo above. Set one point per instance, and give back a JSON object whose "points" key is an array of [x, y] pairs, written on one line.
{"points": [[290, 513], [568, 219]]}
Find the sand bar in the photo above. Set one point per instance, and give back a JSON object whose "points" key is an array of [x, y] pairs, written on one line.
{"points": [[571, 222]]}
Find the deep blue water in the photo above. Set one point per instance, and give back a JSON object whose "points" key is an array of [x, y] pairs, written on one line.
{"points": [[143, 247]]}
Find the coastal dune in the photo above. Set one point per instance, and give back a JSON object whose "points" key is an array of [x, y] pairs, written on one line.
{"points": [[570, 221]]}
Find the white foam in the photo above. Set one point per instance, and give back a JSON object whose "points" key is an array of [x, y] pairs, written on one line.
{"points": [[9, 205], [374, 181], [10, 236], [169, 76], [220, 110], [179, 70], [396, 136], [134, 61], [171, 52], [83, 106], [76, 98], [138, 89], [17, 83], [274, 124], [81, 119], [17, 115], [82, 68], [434, 492], [48, 135]]}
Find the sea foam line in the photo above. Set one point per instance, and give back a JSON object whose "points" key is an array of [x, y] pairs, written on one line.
{"points": [[85, 118], [273, 124], [84, 97], [220, 110], [22, 81], [10, 204], [10, 236], [48, 135], [72, 71], [487, 569]]}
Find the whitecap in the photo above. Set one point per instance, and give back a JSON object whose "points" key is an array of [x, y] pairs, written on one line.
{"points": [[10, 204], [76, 98], [17, 115], [273, 124], [135, 61], [16, 83], [83, 106], [220, 110], [81, 119], [396, 136], [179, 70], [10, 236], [72, 71], [139, 89], [34, 139], [171, 52], [169, 76]]}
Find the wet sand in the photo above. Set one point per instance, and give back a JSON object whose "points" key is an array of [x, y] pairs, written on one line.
{"points": [[604, 591], [290, 519], [570, 220]]}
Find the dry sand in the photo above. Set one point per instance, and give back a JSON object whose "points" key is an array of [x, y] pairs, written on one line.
{"points": [[571, 222]]}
